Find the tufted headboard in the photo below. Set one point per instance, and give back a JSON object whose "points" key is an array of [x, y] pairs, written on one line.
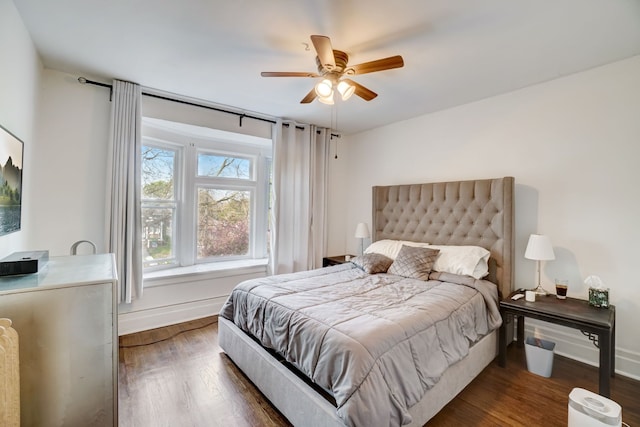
{"points": [[478, 213]]}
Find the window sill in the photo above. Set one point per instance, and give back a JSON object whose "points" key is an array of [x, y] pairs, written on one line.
{"points": [[205, 271]]}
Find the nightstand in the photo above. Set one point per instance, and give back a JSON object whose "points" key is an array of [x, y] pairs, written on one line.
{"points": [[597, 324], [335, 260]]}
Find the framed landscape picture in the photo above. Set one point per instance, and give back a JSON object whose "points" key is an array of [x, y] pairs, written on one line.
{"points": [[11, 152]]}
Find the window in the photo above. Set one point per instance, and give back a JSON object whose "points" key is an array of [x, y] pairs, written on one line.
{"points": [[159, 205], [205, 195], [224, 199]]}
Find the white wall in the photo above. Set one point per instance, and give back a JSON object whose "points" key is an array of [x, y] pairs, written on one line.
{"points": [[573, 146], [19, 81], [70, 164]]}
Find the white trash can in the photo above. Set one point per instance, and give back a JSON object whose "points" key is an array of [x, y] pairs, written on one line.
{"points": [[539, 356]]}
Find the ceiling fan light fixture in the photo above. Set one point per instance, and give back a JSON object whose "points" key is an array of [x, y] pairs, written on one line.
{"points": [[324, 88], [326, 99], [346, 89], [333, 66]]}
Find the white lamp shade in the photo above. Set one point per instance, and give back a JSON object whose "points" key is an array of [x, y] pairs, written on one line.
{"points": [[539, 248], [326, 99], [324, 88], [346, 90], [362, 231]]}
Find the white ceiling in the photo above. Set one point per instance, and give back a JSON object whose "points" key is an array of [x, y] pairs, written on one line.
{"points": [[455, 51]]}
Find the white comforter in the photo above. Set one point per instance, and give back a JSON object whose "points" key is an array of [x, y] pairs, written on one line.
{"points": [[377, 343]]}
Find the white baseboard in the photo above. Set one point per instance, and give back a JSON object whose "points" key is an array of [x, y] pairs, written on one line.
{"points": [[142, 320], [176, 299], [573, 344]]}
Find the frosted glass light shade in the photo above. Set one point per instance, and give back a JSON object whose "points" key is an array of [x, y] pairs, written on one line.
{"points": [[346, 90], [324, 88], [362, 231], [326, 99], [539, 248]]}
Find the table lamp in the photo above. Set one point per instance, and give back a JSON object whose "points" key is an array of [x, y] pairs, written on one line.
{"points": [[362, 232], [539, 249]]}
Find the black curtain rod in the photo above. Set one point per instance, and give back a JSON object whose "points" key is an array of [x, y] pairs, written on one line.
{"points": [[179, 101]]}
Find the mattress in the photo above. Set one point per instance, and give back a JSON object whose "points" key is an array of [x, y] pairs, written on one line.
{"points": [[375, 343]]}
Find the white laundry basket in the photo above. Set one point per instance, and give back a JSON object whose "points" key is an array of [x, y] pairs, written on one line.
{"points": [[587, 409]]}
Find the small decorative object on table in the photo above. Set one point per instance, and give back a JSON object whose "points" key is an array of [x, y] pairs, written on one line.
{"points": [[598, 294], [599, 297]]}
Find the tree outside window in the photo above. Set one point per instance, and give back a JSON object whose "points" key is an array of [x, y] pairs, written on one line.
{"points": [[224, 214]]}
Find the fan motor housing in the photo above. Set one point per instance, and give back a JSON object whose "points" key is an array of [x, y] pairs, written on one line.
{"points": [[341, 60]]}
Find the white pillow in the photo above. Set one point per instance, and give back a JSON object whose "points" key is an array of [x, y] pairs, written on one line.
{"points": [[390, 248], [463, 260]]}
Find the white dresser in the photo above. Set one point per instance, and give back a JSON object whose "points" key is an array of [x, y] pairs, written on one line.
{"points": [[66, 318]]}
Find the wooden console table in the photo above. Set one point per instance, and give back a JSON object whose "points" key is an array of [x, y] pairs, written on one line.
{"points": [[598, 324]]}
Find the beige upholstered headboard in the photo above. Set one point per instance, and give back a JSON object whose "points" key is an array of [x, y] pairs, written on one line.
{"points": [[478, 212]]}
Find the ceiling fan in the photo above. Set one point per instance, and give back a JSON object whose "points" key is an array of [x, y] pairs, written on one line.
{"points": [[333, 67]]}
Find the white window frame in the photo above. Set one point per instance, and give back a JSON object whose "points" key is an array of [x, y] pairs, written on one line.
{"points": [[187, 182]]}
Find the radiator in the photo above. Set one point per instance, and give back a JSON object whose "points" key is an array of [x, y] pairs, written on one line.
{"points": [[9, 375]]}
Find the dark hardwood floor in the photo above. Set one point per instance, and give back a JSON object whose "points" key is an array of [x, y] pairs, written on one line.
{"points": [[186, 380]]}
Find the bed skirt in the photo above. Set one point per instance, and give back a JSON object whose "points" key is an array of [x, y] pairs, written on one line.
{"points": [[303, 406]]}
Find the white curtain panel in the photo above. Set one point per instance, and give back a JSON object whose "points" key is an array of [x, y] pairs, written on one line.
{"points": [[298, 214], [321, 140], [123, 192]]}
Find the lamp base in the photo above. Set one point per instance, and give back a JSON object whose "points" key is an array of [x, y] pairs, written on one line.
{"points": [[539, 290]]}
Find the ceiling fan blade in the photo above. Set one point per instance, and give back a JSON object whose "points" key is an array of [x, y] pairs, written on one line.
{"points": [[309, 98], [288, 74], [362, 91], [323, 47], [379, 65]]}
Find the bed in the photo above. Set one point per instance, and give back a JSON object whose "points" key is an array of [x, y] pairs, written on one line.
{"points": [[475, 213]]}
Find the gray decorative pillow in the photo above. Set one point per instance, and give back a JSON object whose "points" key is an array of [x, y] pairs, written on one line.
{"points": [[414, 262], [372, 263]]}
